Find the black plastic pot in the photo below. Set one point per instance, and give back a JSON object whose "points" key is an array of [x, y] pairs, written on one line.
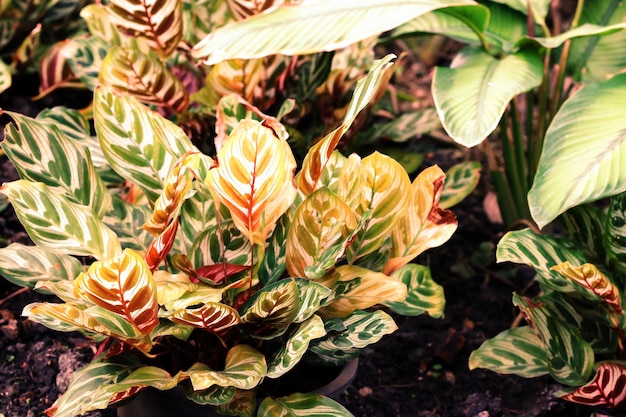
{"points": [[154, 403]]}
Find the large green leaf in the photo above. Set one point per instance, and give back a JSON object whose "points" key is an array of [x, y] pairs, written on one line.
{"points": [[424, 294], [538, 8], [542, 252], [312, 296], [302, 405], [473, 93], [583, 151], [57, 224], [586, 30], [26, 265], [515, 351], [310, 27]]}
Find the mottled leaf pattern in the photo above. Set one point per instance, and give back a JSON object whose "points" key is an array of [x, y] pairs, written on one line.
{"points": [[215, 317], [221, 243], [161, 22], [143, 76], [275, 306], [295, 347], [461, 180], [605, 390], [425, 225], [424, 294], [515, 351], [60, 225], [302, 405], [123, 285], [146, 376], [244, 369], [312, 296], [253, 177], [321, 223]]}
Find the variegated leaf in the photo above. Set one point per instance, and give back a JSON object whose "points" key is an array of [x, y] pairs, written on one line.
{"points": [[461, 180], [295, 347], [168, 328], [322, 223], [243, 403], [146, 376], [231, 109], [424, 294], [64, 289], [58, 224], [302, 405], [274, 307], [425, 225], [360, 329], [160, 22], [215, 395], [570, 358], [126, 219], [597, 285], [318, 156], [122, 285], [274, 261], [515, 351], [70, 122], [605, 390], [27, 265], [6, 76], [253, 177], [143, 76], [89, 384], [84, 56], [160, 247], [242, 9], [41, 153], [312, 296], [54, 71], [374, 288], [615, 232], [171, 287], [215, 317], [198, 213], [221, 243], [541, 252], [385, 194], [586, 225], [139, 144], [245, 367]]}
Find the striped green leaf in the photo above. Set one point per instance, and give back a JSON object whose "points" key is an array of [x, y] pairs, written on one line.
{"points": [[515, 351], [126, 219], [586, 225], [583, 152], [85, 57], [42, 153], [302, 405], [57, 224], [215, 317], [274, 261], [360, 329], [70, 122], [139, 144], [570, 358], [198, 213], [311, 27], [6, 76], [221, 243], [245, 367], [146, 376], [461, 180], [615, 232], [472, 94], [275, 307], [424, 294], [312, 296], [215, 395], [295, 347], [26, 265], [542, 252], [243, 403]]}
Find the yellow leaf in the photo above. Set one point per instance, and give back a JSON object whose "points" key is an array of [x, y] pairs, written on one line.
{"points": [[253, 175], [425, 225]]}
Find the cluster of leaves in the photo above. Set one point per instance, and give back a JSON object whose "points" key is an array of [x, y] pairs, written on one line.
{"points": [[215, 273]]}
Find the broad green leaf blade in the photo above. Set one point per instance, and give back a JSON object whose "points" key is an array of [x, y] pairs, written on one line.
{"points": [[312, 296], [140, 145], [360, 329], [57, 224], [146, 376], [586, 225], [215, 395], [461, 180], [586, 30], [26, 265], [605, 390], [473, 93], [124, 286], [424, 294], [222, 243], [126, 219], [515, 351], [244, 369], [310, 27], [42, 153], [274, 307], [274, 261], [84, 58], [6, 76], [302, 405], [70, 122], [295, 347], [570, 358], [538, 8], [542, 252], [583, 152]]}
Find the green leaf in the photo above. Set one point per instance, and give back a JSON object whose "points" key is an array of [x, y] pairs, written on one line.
{"points": [[302, 405], [5, 76], [295, 347], [70, 122], [312, 296], [542, 252], [41, 153], [539, 8], [515, 351], [424, 294], [274, 307], [586, 30], [26, 265], [360, 329], [85, 57], [221, 243], [570, 358], [461, 180], [311, 27], [402, 128], [215, 395], [473, 93], [244, 369], [274, 260], [615, 232], [57, 224], [126, 219], [583, 152], [586, 225]]}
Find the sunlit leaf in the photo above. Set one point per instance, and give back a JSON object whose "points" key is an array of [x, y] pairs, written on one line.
{"points": [[424, 294], [461, 180], [6, 77], [302, 405], [215, 317], [275, 306]]}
